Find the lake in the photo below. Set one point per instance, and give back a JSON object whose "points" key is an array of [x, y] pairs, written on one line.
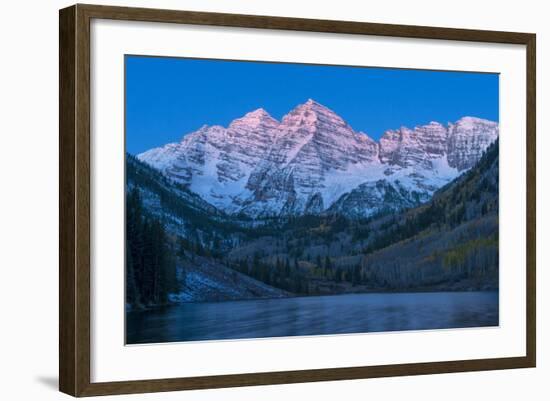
{"points": [[334, 314]]}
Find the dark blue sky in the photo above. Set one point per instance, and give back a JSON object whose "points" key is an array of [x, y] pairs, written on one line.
{"points": [[167, 98]]}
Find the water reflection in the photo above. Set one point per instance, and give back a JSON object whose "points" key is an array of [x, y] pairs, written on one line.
{"points": [[354, 313]]}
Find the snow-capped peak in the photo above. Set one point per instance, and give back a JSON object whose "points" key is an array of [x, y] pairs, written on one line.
{"points": [[469, 122], [254, 119], [310, 116], [473, 120], [312, 157], [311, 106], [258, 114]]}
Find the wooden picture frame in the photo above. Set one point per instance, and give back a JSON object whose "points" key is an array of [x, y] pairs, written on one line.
{"points": [[74, 200]]}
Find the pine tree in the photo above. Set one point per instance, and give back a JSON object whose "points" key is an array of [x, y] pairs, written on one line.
{"points": [[328, 264], [150, 257], [132, 295], [356, 274]]}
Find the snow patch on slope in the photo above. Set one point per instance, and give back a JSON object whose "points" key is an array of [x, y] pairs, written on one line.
{"points": [[312, 158]]}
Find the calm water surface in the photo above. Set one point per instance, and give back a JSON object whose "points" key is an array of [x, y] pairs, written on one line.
{"points": [[353, 313]]}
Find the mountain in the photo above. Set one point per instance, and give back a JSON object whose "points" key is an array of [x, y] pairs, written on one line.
{"points": [[313, 162], [448, 243], [302, 173], [196, 235]]}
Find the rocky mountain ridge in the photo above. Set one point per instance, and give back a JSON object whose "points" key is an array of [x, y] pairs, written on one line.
{"points": [[313, 162]]}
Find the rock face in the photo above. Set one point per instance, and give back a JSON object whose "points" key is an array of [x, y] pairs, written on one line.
{"points": [[313, 162], [406, 148], [467, 139], [312, 146]]}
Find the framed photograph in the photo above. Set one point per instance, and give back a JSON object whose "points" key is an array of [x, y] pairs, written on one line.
{"points": [[250, 200]]}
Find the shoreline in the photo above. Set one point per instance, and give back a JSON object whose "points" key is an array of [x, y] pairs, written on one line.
{"points": [[130, 308]]}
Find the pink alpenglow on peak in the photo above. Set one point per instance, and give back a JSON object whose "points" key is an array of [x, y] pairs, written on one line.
{"points": [[255, 118], [312, 160]]}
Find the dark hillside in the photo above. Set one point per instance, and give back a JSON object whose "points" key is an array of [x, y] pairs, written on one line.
{"points": [[450, 242]]}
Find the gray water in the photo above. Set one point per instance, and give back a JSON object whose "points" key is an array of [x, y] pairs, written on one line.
{"points": [[353, 313]]}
